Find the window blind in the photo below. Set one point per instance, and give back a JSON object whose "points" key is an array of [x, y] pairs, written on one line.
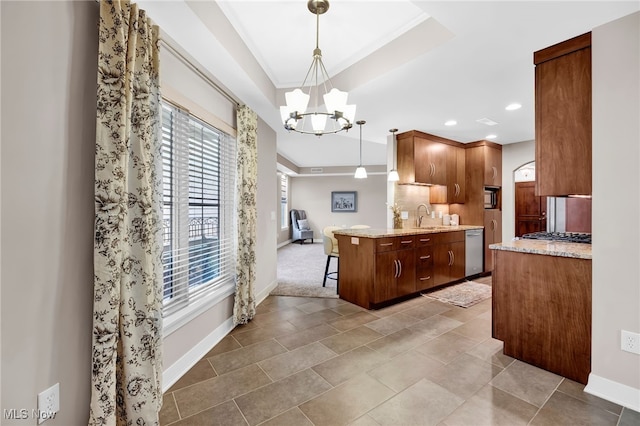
{"points": [[284, 201], [199, 167]]}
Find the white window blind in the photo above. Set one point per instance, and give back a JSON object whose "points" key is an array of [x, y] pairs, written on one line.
{"points": [[284, 201], [199, 167]]}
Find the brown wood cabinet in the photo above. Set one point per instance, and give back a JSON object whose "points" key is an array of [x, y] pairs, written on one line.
{"points": [[563, 117], [492, 235], [454, 191], [424, 158], [541, 310], [492, 166], [395, 268], [424, 263], [448, 257]]}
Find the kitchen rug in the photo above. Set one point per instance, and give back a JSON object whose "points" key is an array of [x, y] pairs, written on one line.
{"points": [[465, 294]]}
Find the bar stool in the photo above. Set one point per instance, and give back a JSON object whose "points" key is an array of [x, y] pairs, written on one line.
{"points": [[331, 250]]}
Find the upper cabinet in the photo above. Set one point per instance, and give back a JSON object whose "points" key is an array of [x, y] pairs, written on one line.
{"points": [[492, 166], [563, 118], [421, 159], [454, 190]]}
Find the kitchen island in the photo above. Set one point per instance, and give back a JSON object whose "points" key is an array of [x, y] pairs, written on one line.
{"points": [[382, 266], [542, 304]]}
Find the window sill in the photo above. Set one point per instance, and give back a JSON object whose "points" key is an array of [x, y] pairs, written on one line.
{"points": [[186, 315]]}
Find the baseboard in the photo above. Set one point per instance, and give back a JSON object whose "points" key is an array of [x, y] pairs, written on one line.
{"points": [[188, 360], [284, 243], [615, 392], [265, 293]]}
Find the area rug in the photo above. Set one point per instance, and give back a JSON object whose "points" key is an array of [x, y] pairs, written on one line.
{"points": [[301, 270], [465, 294]]}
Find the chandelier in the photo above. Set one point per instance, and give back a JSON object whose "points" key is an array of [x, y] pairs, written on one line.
{"points": [[295, 115]]}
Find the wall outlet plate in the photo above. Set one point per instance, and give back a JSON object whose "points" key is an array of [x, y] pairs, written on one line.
{"points": [[404, 215], [630, 342], [48, 403]]}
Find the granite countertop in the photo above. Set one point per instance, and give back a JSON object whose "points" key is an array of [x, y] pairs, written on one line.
{"points": [[390, 232], [549, 248]]}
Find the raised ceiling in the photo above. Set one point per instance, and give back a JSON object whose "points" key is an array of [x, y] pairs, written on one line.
{"points": [[411, 65]]}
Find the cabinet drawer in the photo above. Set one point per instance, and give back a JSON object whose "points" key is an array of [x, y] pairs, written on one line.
{"points": [[424, 240], [386, 244], [424, 278], [424, 256], [406, 242]]}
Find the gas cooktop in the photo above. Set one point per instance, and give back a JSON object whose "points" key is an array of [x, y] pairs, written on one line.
{"points": [[568, 237]]}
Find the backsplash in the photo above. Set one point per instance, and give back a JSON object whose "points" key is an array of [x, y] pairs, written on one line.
{"points": [[409, 197]]}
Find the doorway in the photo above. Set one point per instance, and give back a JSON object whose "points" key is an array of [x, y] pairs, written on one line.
{"points": [[531, 210]]}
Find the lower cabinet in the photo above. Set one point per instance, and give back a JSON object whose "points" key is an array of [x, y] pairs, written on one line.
{"points": [[424, 262], [492, 234], [448, 257], [395, 275]]}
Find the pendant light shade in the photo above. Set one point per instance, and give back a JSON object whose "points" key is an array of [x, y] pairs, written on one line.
{"points": [[361, 172], [393, 173]]}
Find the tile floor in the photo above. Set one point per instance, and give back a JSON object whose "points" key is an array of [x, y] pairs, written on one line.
{"points": [[306, 361]]}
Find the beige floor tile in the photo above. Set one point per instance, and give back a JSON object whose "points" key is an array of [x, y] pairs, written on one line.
{"points": [[466, 314], [293, 417], [267, 332], [347, 402], [465, 375], [446, 347], [404, 370], [311, 307], [351, 339], [576, 390], [304, 337], [289, 314], [274, 399], [424, 403], [202, 370], [392, 323], [398, 342], [207, 394], [228, 343], [315, 319], [435, 325], [478, 329], [348, 365], [347, 309], [629, 417], [225, 414], [354, 320], [169, 411], [288, 363], [365, 420], [562, 409], [248, 355], [426, 310], [492, 407], [242, 328], [490, 350], [529, 383]]}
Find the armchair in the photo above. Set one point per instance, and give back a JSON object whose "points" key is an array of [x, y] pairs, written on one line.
{"points": [[300, 229]]}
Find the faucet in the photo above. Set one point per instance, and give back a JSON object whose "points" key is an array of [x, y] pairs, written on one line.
{"points": [[426, 209]]}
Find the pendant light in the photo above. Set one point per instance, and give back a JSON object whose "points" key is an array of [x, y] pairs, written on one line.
{"points": [[361, 172], [393, 173]]}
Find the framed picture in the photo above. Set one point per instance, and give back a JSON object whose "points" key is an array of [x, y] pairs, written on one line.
{"points": [[344, 201]]}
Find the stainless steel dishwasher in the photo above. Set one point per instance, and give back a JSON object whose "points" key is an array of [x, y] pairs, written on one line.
{"points": [[473, 251]]}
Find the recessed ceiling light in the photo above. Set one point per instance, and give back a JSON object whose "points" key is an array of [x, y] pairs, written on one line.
{"points": [[512, 107], [450, 123], [491, 136]]}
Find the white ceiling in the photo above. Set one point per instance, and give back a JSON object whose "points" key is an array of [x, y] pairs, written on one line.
{"points": [[410, 65]]}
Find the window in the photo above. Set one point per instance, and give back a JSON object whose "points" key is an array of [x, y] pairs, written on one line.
{"points": [[198, 209], [284, 201]]}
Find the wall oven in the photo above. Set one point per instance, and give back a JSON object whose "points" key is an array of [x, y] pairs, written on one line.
{"points": [[490, 197]]}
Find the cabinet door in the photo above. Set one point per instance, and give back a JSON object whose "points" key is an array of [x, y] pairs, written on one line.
{"points": [[457, 267], [441, 264], [460, 176], [563, 120], [385, 286], [406, 281], [492, 166], [492, 234], [430, 161]]}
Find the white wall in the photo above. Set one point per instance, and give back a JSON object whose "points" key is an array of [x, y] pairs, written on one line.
{"points": [[615, 375], [313, 194], [513, 157], [49, 73]]}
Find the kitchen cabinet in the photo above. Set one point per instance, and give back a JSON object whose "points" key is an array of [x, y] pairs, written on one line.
{"points": [[563, 118], [422, 158], [492, 234], [454, 190], [424, 262], [448, 257], [395, 274], [492, 166]]}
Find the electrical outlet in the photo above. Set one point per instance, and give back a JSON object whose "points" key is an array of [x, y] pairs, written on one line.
{"points": [[630, 342], [48, 403]]}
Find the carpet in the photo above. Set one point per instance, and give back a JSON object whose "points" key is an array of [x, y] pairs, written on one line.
{"points": [[301, 270], [465, 294]]}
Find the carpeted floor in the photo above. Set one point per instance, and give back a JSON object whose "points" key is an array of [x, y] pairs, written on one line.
{"points": [[301, 270]]}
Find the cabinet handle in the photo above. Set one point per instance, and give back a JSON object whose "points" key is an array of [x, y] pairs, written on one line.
{"points": [[425, 240], [425, 257], [385, 244], [457, 190], [495, 172], [453, 258], [395, 265], [450, 257], [433, 169], [400, 271], [406, 242], [425, 278]]}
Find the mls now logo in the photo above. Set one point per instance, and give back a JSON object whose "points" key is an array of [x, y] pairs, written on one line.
{"points": [[23, 414]]}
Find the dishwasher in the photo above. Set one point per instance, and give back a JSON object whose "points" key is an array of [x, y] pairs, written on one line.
{"points": [[473, 252]]}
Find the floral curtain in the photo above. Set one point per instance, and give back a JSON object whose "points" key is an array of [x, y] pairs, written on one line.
{"points": [[244, 308], [127, 313]]}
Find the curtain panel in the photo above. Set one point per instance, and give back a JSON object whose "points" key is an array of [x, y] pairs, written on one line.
{"points": [[244, 308], [127, 321]]}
